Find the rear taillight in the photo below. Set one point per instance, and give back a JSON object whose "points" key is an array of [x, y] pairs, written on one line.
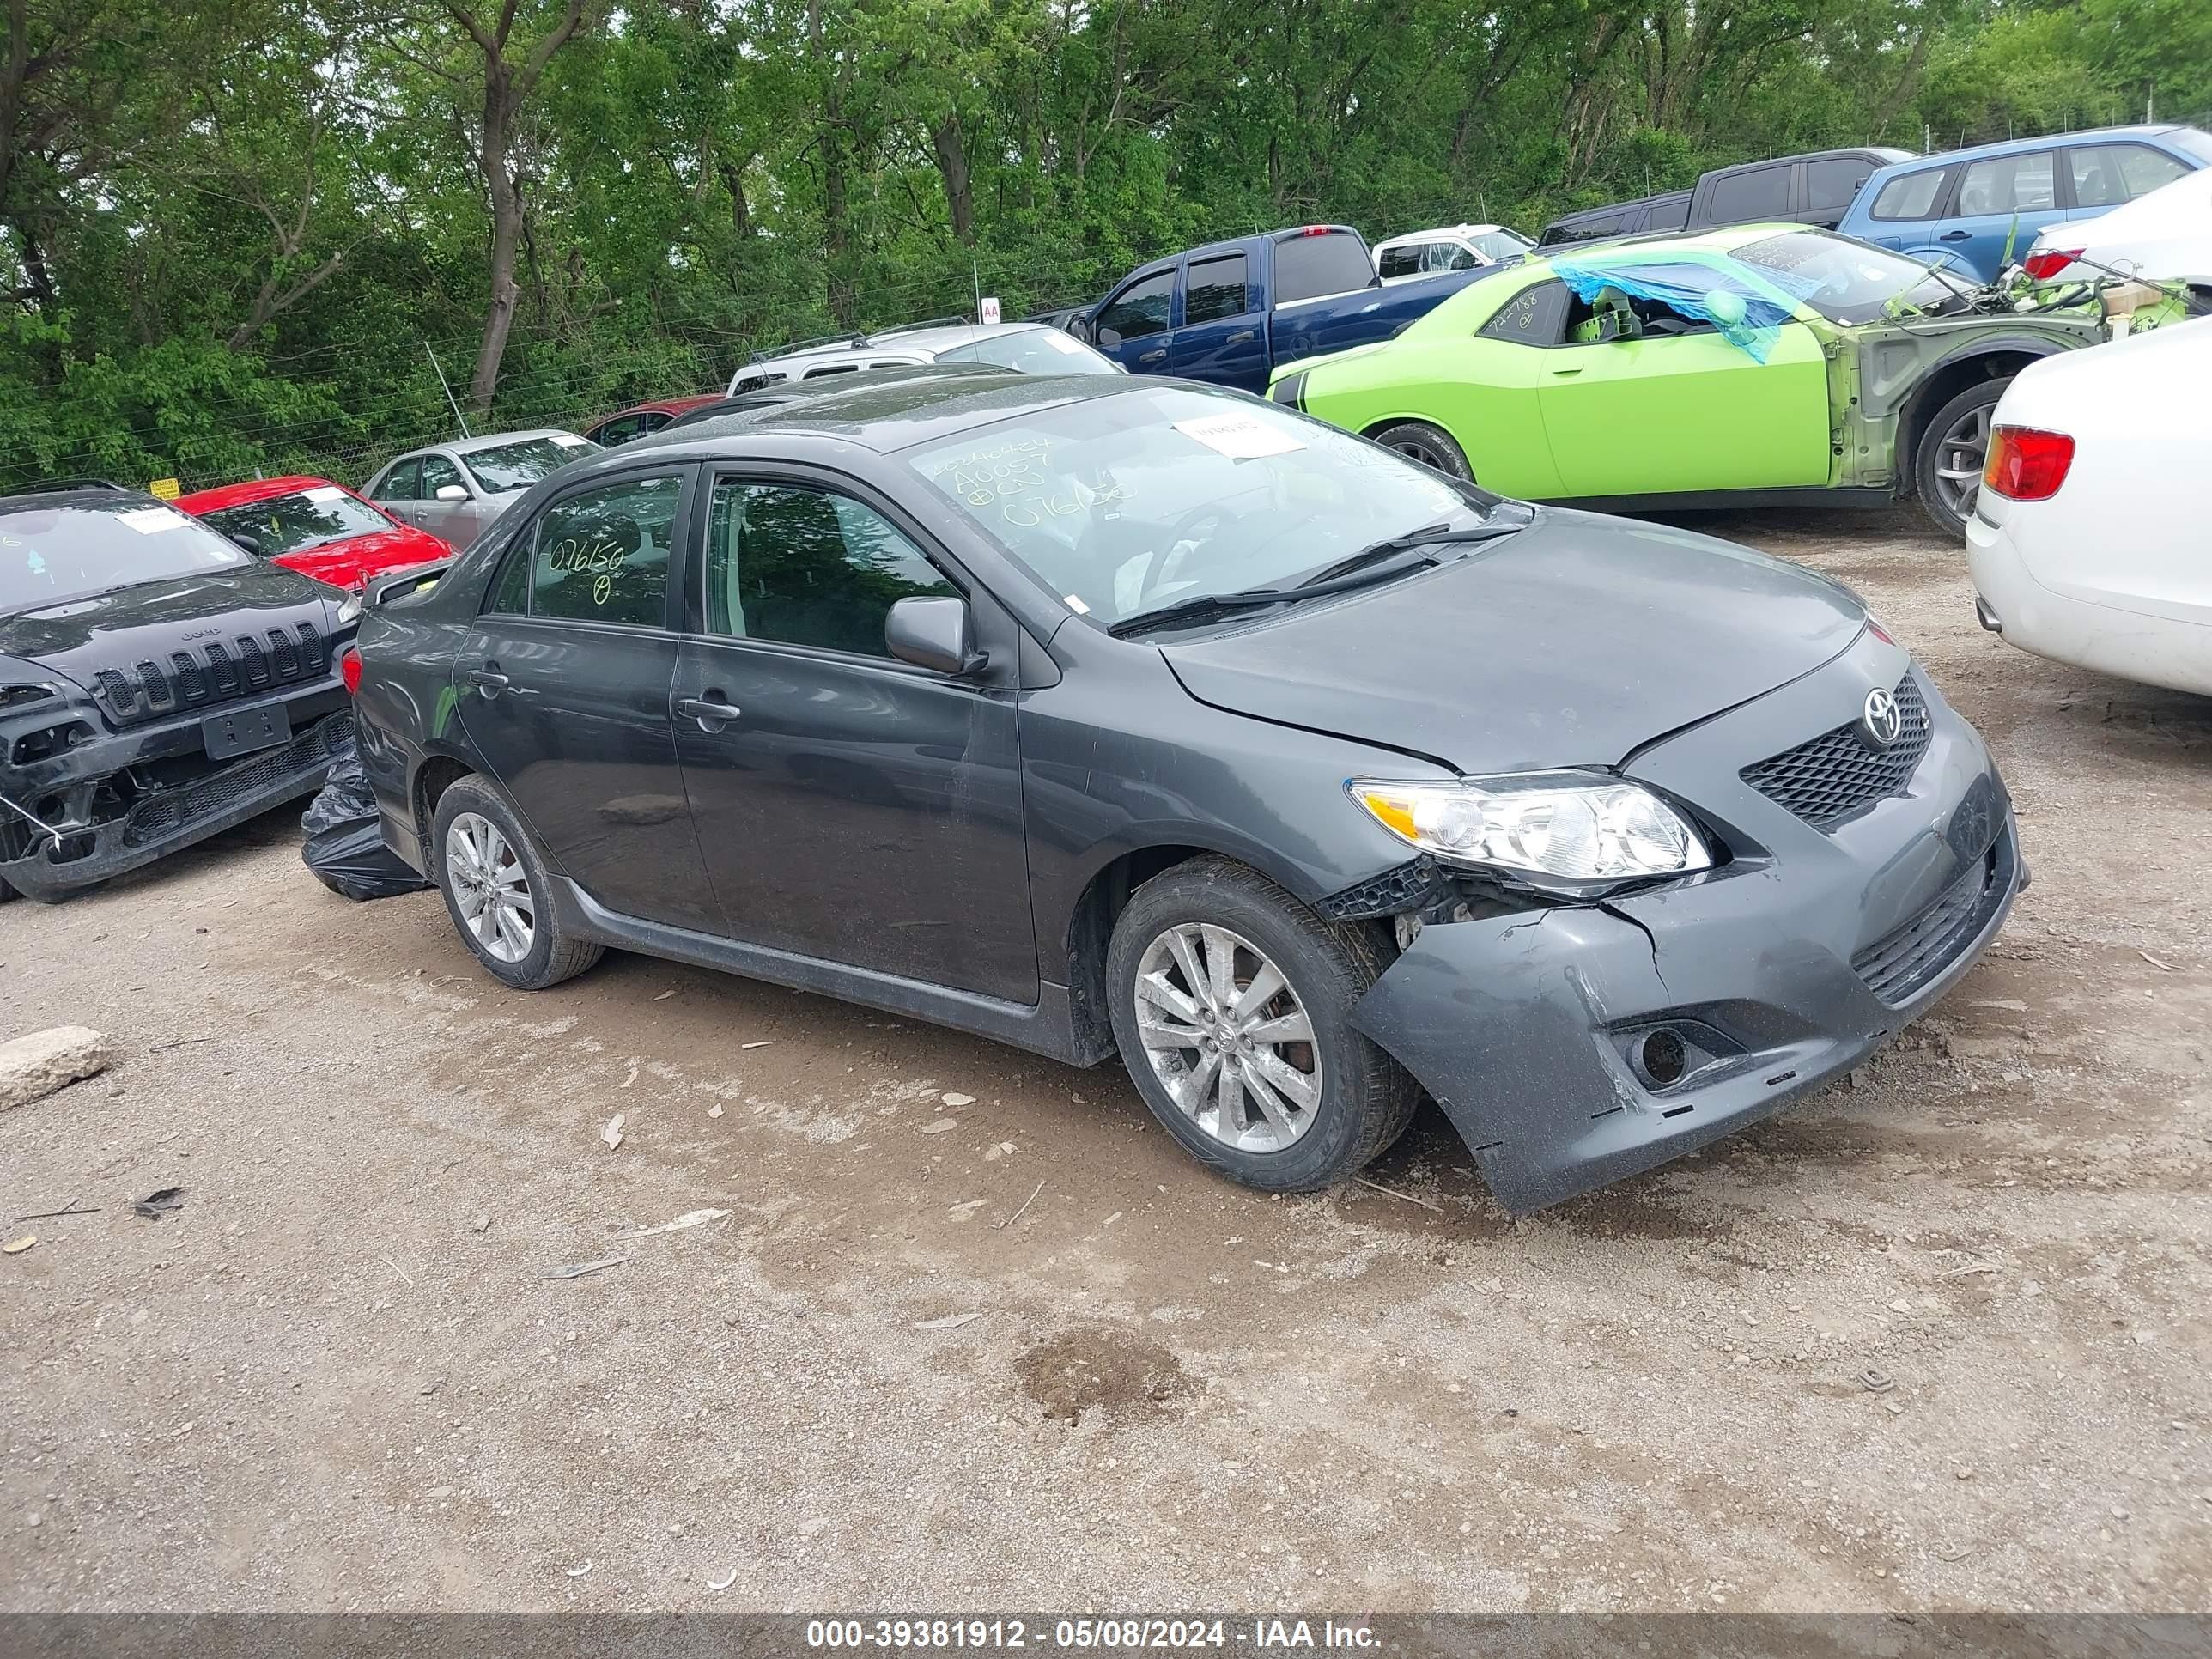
{"points": [[2025, 464], [350, 670], [2042, 267]]}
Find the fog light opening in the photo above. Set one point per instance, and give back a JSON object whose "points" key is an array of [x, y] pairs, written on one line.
{"points": [[1660, 1056]]}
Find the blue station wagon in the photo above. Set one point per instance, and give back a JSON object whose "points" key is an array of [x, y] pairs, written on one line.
{"points": [[1960, 209]]}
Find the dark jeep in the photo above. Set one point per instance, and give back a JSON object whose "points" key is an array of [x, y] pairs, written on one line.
{"points": [[157, 685]]}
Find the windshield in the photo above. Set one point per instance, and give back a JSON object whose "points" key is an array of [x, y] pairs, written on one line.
{"points": [[517, 465], [305, 519], [1501, 244], [1846, 281], [1127, 503], [1034, 351], [50, 555]]}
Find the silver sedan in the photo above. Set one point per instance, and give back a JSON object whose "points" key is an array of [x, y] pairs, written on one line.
{"points": [[456, 489]]}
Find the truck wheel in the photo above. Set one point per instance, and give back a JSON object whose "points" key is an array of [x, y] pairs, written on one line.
{"points": [[1232, 1005], [1432, 447], [1947, 468], [498, 893]]}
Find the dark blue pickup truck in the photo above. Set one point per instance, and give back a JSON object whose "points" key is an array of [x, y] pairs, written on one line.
{"points": [[1229, 311]]}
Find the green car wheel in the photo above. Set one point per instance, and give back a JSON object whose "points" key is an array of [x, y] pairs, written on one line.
{"points": [[1432, 447]]}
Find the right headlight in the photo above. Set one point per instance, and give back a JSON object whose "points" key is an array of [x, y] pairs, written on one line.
{"points": [[1572, 826]]}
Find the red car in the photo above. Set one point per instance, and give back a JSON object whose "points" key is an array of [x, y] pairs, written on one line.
{"points": [[642, 418], [316, 527]]}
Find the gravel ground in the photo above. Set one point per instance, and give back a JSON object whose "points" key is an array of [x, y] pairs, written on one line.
{"points": [[337, 1379]]}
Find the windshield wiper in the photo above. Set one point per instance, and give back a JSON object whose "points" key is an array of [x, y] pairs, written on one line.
{"points": [[1434, 535], [1199, 606], [1370, 564]]}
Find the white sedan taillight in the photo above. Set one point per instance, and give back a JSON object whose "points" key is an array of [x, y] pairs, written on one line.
{"points": [[2026, 464]]}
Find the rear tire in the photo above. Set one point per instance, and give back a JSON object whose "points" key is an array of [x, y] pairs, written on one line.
{"points": [[1958, 436], [1285, 1094], [1431, 445], [498, 892]]}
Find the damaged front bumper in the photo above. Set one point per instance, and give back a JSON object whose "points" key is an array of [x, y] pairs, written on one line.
{"points": [[112, 801], [1573, 1045]]}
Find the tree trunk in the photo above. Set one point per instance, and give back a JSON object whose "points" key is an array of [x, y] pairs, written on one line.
{"points": [[505, 237], [953, 164], [836, 226], [741, 212]]}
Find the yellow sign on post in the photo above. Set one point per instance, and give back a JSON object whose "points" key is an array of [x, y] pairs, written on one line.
{"points": [[165, 489]]}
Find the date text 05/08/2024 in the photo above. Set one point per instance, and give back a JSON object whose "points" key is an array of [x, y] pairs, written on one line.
{"points": [[895, 1635]]}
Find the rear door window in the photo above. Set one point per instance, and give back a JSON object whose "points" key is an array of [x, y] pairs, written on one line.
{"points": [[602, 555], [1758, 193], [1214, 289], [1910, 196], [2008, 184], [1312, 262]]}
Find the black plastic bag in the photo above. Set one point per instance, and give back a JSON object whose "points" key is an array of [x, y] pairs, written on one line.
{"points": [[344, 846]]}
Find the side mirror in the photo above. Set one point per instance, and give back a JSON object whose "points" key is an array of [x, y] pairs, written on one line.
{"points": [[932, 631], [250, 542], [452, 493], [1726, 309], [1108, 337]]}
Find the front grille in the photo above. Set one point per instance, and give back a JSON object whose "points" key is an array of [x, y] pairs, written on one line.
{"points": [[212, 673], [178, 809], [1904, 962], [1835, 775]]}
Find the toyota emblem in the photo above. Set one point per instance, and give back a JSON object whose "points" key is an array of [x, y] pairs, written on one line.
{"points": [[1883, 721]]}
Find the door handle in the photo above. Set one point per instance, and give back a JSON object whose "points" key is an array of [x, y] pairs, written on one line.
{"points": [[489, 680], [1242, 337], [1153, 355], [1954, 236], [1577, 369], [710, 711]]}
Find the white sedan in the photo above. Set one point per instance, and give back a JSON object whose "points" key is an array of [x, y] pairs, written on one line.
{"points": [[2091, 537], [2165, 234]]}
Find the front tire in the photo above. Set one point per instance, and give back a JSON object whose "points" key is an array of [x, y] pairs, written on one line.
{"points": [[1431, 445], [498, 893], [1232, 1005], [1947, 469]]}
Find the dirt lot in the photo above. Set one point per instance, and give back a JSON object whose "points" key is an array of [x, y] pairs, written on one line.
{"points": [[336, 1379]]}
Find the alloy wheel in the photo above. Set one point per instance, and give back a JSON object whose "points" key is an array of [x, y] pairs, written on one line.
{"points": [[1227, 1037], [489, 889], [1959, 458], [1415, 449]]}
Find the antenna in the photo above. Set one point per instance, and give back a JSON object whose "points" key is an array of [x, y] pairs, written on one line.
{"points": [[448, 389]]}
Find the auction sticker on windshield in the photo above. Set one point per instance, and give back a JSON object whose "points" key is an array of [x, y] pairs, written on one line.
{"points": [[1240, 437], [323, 493], [152, 520]]}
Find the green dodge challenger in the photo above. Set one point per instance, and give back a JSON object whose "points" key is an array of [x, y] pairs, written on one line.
{"points": [[1759, 362]]}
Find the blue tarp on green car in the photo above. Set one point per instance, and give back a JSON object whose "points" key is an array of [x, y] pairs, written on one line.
{"points": [[1746, 310]]}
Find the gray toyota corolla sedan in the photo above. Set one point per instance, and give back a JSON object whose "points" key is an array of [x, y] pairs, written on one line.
{"points": [[1106, 715]]}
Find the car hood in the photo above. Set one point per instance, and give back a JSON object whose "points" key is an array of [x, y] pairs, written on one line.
{"points": [[349, 562], [148, 621], [1575, 641]]}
